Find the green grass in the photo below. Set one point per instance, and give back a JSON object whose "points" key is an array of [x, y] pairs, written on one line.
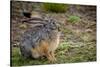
{"points": [[64, 54], [54, 7], [74, 19]]}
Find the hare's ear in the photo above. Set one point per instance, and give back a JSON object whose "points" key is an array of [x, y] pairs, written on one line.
{"points": [[27, 14]]}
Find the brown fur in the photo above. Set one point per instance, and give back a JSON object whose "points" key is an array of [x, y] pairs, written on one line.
{"points": [[43, 49]]}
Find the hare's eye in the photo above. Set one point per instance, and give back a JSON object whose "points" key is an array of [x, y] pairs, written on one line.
{"points": [[53, 23]]}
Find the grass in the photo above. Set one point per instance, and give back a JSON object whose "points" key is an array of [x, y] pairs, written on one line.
{"points": [[73, 19], [54, 7], [64, 54]]}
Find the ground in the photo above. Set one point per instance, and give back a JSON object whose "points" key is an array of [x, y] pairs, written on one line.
{"points": [[77, 43], [75, 47]]}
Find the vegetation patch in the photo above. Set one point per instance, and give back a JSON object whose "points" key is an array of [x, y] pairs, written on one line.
{"points": [[74, 19], [54, 7]]}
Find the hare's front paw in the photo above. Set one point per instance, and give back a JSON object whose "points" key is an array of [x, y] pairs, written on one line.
{"points": [[52, 60], [51, 57]]}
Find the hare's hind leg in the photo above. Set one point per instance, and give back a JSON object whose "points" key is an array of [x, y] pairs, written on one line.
{"points": [[35, 53]]}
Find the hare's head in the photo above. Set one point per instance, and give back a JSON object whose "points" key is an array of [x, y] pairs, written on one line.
{"points": [[51, 24]]}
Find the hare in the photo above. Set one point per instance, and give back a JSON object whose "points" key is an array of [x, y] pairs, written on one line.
{"points": [[41, 40]]}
